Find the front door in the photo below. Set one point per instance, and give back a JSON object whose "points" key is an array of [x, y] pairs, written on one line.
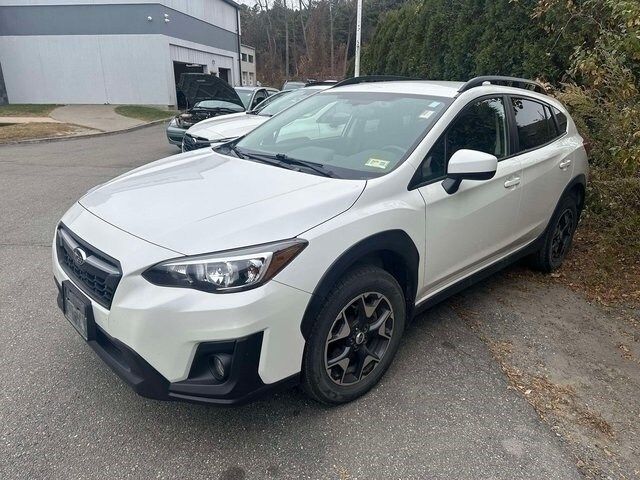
{"points": [[477, 224]]}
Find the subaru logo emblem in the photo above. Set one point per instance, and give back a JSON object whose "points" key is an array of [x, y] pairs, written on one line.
{"points": [[79, 257]]}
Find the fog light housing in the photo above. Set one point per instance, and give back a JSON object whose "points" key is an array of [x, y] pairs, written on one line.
{"points": [[220, 366]]}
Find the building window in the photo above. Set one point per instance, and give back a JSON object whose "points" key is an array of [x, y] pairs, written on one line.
{"points": [[244, 57], [250, 58], [251, 79], [244, 78]]}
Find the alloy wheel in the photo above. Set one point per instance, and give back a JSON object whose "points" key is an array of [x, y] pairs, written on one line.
{"points": [[358, 338], [562, 236]]}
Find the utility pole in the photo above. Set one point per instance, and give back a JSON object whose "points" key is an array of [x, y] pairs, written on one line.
{"points": [[331, 30], [358, 38], [286, 40]]}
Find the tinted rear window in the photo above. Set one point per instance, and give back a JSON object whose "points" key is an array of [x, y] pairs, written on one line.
{"points": [[534, 123]]}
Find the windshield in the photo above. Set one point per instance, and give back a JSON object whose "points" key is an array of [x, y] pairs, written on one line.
{"points": [[283, 100], [245, 96], [354, 134], [213, 104]]}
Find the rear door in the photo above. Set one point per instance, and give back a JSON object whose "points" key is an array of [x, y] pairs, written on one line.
{"points": [[545, 155], [477, 224]]}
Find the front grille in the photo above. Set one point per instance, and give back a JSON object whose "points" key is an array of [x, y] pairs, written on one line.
{"points": [[189, 142], [93, 271]]}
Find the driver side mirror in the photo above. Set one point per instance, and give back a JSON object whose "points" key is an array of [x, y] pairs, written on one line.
{"points": [[468, 165]]}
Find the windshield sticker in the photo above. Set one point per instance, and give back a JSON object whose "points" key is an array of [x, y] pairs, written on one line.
{"points": [[426, 114], [434, 104], [377, 163]]}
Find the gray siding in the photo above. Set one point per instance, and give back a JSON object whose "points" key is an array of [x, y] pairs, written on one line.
{"points": [[113, 19]]}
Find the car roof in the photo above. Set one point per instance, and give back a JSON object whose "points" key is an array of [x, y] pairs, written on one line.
{"points": [[419, 87]]}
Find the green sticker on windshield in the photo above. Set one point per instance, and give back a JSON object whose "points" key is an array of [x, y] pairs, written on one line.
{"points": [[377, 163]]}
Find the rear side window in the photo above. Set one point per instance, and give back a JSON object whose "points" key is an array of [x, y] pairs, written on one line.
{"points": [[561, 118], [534, 123]]}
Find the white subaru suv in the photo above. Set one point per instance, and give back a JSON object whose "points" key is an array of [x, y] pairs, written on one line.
{"points": [[299, 252]]}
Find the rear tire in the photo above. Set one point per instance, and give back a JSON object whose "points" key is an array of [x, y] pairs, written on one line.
{"points": [[354, 337], [558, 237]]}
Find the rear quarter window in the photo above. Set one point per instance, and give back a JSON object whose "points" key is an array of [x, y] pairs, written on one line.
{"points": [[561, 118]]}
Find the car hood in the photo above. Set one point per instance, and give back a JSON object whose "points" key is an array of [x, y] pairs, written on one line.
{"points": [[227, 126], [201, 202], [200, 86]]}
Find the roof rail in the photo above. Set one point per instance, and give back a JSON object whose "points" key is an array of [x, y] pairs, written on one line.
{"points": [[311, 83], [371, 79], [506, 81]]}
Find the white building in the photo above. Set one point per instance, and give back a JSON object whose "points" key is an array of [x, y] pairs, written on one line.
{"points": [[117, 52], [248, 65]]}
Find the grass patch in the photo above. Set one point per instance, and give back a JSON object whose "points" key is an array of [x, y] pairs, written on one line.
{"points": [[29, 131], [26, 110], [148, 114]]}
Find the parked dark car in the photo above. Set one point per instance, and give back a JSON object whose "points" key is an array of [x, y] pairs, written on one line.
{"points": [[202, 96]]}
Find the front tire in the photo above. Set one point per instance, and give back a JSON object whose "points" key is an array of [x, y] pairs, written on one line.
{"points": [[354, 337], [558, 237]]}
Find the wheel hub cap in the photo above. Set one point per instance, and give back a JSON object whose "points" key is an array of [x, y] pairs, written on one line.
{"points": [[359, 338]]}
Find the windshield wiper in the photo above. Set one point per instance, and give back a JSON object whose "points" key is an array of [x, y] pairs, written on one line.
{"points": [[316, 167], [282, 160]]}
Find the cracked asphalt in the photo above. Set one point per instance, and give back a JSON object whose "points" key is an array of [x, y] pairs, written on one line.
{"points": [[442, 411]]}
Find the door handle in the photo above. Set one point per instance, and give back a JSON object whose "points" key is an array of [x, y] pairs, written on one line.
{"points": [[512, 182], [564, 164]]}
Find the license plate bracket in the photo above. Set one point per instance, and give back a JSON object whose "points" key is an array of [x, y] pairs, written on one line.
{"points": [[78, 311]]}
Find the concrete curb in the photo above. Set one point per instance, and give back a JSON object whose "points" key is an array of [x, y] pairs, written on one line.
{"points": [[83, 135]]}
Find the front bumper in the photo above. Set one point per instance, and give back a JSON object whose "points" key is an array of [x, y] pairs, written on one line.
{"points": [[153, 337], [243, 383]]}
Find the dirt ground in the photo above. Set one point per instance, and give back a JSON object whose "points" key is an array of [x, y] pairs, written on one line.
{"points": [[577, 363]]}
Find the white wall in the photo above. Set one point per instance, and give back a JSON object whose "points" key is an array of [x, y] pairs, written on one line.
{"points": [[116, 69], [216, 12]]}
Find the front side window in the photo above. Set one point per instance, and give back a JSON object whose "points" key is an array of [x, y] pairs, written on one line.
{"points": [[534, 123], [480, 126], [354, 134], [260, 96]]}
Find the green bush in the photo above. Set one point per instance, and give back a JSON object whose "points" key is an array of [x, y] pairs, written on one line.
{"points": [[587, 51]]}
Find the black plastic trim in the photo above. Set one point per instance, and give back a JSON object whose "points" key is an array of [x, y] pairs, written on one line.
{"points": [[396, 242], [373, 79]]}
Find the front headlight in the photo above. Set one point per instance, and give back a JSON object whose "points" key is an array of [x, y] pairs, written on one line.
{"points": [[228, 271]]}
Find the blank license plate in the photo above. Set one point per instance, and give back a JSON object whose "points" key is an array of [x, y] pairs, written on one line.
{"points": [[75, 309]]}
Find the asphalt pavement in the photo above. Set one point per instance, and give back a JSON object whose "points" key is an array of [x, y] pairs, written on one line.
{"points": [[442, 411]]}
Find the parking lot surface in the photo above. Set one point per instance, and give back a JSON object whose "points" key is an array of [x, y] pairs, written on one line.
{"points": [[442, 411]]}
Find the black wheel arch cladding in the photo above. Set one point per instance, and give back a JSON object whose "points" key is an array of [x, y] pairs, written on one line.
{"points": [[392, 250]]}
